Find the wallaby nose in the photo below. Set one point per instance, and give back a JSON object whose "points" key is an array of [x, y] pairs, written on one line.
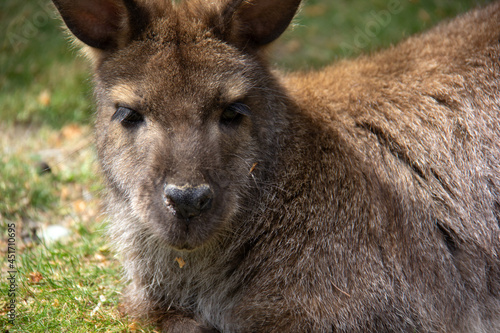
{"points": [[189, 201]]}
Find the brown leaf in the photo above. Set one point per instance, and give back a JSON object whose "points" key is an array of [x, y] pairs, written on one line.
{"points": [[133, 326], [99, 257], [79, 206], [35, 277], [44, 98], [71, 131], [253, 167], [65, 193], [180, 261]]}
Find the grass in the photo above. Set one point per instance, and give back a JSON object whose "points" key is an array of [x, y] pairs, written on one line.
{"points": [[70, 290], [46, 114], [16, 173], [328, 30], [41, 82]]}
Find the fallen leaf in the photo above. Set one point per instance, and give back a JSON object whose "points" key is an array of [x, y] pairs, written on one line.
{"points": [[133, 326], [99, 257], [253, 167], [71, 131], [79, 205], [64, 193], [35, 277], [44, 98], [180, 261], [105, 249]]}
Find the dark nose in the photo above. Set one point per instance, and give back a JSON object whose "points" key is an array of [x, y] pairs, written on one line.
{"points": [[189, 201]]}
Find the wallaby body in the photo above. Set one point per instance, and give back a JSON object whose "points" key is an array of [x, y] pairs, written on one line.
{"points": [[364, 197]]}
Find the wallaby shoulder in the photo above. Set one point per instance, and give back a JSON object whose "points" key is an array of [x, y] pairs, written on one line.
{"points": [[453, 50], [415, 116]]}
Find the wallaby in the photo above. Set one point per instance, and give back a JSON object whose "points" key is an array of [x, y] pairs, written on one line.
{"points": [[362, 197]]}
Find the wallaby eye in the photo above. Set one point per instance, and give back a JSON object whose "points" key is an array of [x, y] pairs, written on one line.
{"points": [[233, 113], [127, 117]]}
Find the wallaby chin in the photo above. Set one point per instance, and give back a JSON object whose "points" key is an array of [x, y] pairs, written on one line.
{"points": [[364, 197]]}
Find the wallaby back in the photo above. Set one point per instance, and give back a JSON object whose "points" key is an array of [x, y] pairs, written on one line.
{"points": [[364, 197]]}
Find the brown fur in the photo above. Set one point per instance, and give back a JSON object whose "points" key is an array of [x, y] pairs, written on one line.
{"points": [[364, 197]]}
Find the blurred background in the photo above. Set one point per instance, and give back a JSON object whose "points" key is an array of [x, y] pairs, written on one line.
{"points": [[67, 279]]}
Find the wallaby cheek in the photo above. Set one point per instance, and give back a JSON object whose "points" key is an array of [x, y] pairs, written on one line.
{"points": [[123, 160]]}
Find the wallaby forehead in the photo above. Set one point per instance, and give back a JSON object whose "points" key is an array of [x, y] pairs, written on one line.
{"points": [[177, 63], [160, 71], [197, 67], [178, 40]]}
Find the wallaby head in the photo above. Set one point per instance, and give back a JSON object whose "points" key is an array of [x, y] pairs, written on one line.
{"points": [[187, 111]]}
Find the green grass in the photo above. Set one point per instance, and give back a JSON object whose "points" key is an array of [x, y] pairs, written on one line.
{"points": [[70, 287], [20, 199], [46, 114], [35, 61], [30, 193], [326, 30]]}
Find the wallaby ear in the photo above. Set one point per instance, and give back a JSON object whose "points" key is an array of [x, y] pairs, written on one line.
{"points": [[102, 24], [259, 22]]}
